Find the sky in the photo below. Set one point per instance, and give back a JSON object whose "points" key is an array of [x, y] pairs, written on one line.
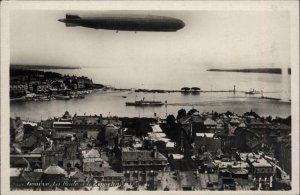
{"points": [[210, 39]]}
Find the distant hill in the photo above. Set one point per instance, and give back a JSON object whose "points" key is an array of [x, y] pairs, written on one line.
{"points": [[33, 73], [252, 70], [34, 67]]}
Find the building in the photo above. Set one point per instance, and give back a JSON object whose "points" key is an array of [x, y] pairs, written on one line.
{"points": [[50, 157], [32, 160], [18, 88], [42, 88], [88, 83], [92, 164], [54, 173], [71, 156], [226, 180], [283, 153], [140, 160], [80, 83], [141, 166], [262, 169], [210, 125], [88, 126], [111, 132], [206, 142], [16, 130], [62, 127]]}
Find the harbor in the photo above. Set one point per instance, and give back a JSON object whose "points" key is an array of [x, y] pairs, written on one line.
{"points": [[112, 103]]}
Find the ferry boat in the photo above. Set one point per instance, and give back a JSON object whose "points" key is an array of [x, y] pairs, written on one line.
{"points": [[252, 92], [143, 102]]}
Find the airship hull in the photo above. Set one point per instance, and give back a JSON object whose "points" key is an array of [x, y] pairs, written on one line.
{"points": [[127, 23]]}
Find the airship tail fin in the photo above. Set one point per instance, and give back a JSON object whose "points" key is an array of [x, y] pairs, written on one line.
{"points": [[70, 16], [68, 24]]}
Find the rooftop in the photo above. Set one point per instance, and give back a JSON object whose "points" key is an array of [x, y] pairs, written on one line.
{"points": [[210, 135], [55, 170], [156, 129], [210, 122], [93, 153], [32, 176], [144, 155]]}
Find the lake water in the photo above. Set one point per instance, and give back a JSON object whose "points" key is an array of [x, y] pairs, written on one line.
{"points": [[114, 104]]}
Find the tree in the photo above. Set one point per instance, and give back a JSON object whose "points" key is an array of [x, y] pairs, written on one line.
{"points": [[192, 111], [269, 118], [228, 113], [171, 121], [181, 113]]}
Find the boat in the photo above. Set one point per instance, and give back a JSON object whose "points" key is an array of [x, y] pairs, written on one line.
{"points": [[252, 92], [80, 96], [44, 98], [143, 102], [62, 97]]}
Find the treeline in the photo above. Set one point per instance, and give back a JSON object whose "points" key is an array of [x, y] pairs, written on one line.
{"points": [[34, 67], [253, 70], [33, 73], [137, 126]]}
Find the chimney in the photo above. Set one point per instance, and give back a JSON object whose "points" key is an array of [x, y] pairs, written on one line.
{"points": [[155, 152]]}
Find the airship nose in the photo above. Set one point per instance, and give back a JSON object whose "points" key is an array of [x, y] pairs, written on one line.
{"points": [[61, 20], [181, 24]]}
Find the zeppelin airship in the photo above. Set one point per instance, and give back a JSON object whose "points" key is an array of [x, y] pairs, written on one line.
{"points": [[125, 22]]}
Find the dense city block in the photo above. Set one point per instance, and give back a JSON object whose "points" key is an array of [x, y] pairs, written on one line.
{"points": [[191, 151]]}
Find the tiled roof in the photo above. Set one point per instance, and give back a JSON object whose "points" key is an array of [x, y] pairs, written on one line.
{"points": [[196, 119], [93, 153], [170, 144], [156, 129], [39, 128], [210, 135], [209, 121], [38, 150], [185, 120], [261, 163], [109, 172], [144, 155], [239, 171], [30, 141], [32, 176], [77, 174], [281, 127], [242, 125], [21, 161], [87, 120], [15, 172], [235, 121], [55, 170]]}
